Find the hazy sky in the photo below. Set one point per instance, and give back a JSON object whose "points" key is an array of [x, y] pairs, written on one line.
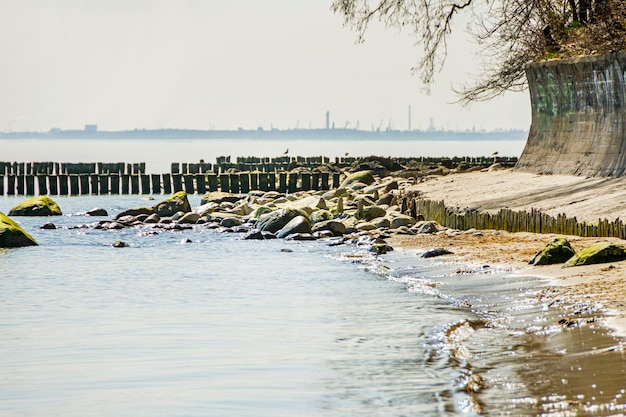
{"points": [[202, 64]]}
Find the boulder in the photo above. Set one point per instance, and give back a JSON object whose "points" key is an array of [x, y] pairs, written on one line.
{"points": [[556, 252], [99, 212], [301, 236], [314, 202], [426, 228], [298, 224], [189, 218], [254, 234], [230, 222], [432, 253], [173, 204], [120, 244], [48, 226], [598, 253], [153, 218], [276, 220], [380, 248], [365, 226], [335, 227], [401, 220], [36, 206], [12, 235], [373, 212], [136, 211], [220, 197], [364, 177], [381, 222], [320, 216]]}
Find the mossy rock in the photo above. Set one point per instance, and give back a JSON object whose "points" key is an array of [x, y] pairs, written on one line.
{"points": [[173, 204], [364, 177], [598, 253], [12, 235], [37, 206], [135, 211], [276, 220], [556, 252], [320, 216]]}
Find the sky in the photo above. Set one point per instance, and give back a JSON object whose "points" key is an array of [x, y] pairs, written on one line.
{"points": [[223, 64]]}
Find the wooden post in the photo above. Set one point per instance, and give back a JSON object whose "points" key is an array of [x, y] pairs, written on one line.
{"points": [[201, 183], [125, 183], [336, 177], [315, 181], [271, 181], [167, 184], [177, 179], [1, 184], [115, 183], [234, 183], [42, 182], [254, 180], [224, 183], [20, 184], [175, 168], [212, 178], [189, 183], [10, 184], [84, 183], [156, 183], [293, 182], [63, 184], [145, 183], [134, 184], [95, 185], [325, 180], [30, 184], [263, 181], [74, 188], [244, 180], [282, 182], [306, 181], [104, 184]]}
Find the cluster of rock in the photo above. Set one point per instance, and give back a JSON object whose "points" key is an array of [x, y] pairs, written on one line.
{"points": [[560, 251]]}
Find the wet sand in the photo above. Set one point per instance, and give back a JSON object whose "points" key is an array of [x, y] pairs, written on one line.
{"points": [[586, 199]]}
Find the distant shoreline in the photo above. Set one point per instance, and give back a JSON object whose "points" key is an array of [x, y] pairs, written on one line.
{"points": [[292, 134]]}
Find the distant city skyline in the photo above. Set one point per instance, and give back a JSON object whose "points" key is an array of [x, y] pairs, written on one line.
{"points": [[244, 64]]}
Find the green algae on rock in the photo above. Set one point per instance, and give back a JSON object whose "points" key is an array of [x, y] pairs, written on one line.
{"points": [[12, 235], [37, 206], [598, 253], [556, 252], [173, 204], [364, 177]]}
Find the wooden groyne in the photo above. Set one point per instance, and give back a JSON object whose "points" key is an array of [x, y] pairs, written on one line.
{"points": [[241, 176], [533, 221]]}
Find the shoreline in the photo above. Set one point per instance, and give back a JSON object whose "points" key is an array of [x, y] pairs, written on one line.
{"points": [[598, 284]]}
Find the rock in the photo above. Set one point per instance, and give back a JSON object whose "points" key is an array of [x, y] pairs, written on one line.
{"points": [[205, 209], [254, 234], [381, 222], [135, 212], [217, 216], [322, 234], [365, 226], [127, 220], [380, 248], [314, 202], [120, 244], [364, 177], [301, 236], [556, 252], [185, 241], [298, 224], [403, 230], [426, 228], [189, 218], [337, 228], [173, 204], [385, 200], [99, 212], [320, 216], [48, 226], [598, 253], [36, 206], [268, 235], [220, 197], [153, 218], [230, 222], [401, 220], [276, 220], [432, 253], [12, 235], [373, 212]]}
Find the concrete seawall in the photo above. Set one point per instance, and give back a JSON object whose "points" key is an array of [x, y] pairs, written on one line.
{"points": [[578, 117]]}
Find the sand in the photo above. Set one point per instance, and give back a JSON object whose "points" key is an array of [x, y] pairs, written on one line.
{"points": [[585, 199]]}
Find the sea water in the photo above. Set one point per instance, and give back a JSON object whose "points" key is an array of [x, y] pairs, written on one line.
{"points": [[202, 323]]}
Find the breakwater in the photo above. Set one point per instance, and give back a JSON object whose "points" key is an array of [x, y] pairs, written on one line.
{"points": [[239, 175], [533, 221]]}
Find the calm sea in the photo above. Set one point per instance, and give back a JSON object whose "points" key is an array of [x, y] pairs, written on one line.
{"points": [[220, 326]]}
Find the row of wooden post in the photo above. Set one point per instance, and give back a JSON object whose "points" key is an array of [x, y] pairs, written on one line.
{"points": [[242, 182], [533, 221]]}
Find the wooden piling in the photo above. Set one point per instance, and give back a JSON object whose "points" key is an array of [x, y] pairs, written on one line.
{"points": [[74, 188], [156, 183], [315, 181], [306, 181], [1, 184], [125, 184], [234, 183], [115, 184], [134, 183], [145, 183], [271, 181], [84, 183], [30, 184], [224, 183], [292, 184], [254, 180], [104, 184], [20, 184], [325, 177], [63, 189], [167, 184], [282, 182], [212, 179], [42, 184], [201, 183], [336, 177], [264, 181], [177, 180], [189, 186]]}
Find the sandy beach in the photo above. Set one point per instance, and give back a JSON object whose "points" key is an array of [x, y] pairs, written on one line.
{"points": [[584, 198]]}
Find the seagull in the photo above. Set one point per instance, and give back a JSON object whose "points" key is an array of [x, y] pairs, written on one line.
{"points": [[286, 152], [346, 154]]}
